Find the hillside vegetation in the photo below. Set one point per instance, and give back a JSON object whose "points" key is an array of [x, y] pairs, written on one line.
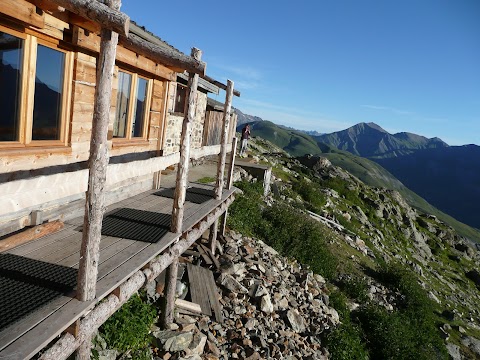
{"points": [[297, 143], [401, 279]]}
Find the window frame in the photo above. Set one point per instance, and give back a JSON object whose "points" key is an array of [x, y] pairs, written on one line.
{"points": [[27, 93], [129, 139]]}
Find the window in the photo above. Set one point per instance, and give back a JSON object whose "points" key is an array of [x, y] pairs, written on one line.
{"points": [[11, 55], [180, 97], [131, 112], [35, 78]]}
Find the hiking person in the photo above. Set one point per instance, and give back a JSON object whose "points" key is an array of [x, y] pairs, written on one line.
{"points": [[245, 137]]}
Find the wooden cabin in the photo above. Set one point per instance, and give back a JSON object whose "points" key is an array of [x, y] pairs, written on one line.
{"points": [[89, 125]]}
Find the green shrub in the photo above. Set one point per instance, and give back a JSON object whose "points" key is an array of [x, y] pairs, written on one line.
{"points": [[310, 192], [356, 288], [292, 233], [245, 213], [407, 333], [295, 234], [345, 341], [129, 327]]}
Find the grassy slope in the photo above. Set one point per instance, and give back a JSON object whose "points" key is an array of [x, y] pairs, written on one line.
{"points": [[294, 142]]}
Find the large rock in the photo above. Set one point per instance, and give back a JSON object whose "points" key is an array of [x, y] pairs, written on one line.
{"points": [[232, 284], [454, 352], [296, 321], [266, 304], [473, 344], [172, 341]]}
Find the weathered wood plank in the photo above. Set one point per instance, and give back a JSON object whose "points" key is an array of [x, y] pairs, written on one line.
{"points": [[91, 42], [188, 305], [23, 11], [22, 250], [30, 234], [198, 289]]}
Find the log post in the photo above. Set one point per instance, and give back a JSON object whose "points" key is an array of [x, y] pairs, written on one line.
{"points": [[223, 149], [182, 172], [97, 165], [223, 222], [85, 349], [212, 237], [233, 153], [170, 293]]}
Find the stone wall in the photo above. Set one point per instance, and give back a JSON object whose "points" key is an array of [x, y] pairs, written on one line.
{"points": [[197, 126], [173, 129]]}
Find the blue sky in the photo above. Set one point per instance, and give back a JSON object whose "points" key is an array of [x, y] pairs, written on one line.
{"points": [[409, 65]]}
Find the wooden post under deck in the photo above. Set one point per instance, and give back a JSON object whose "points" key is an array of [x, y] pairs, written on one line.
{"points": [[170, 293], [223, 149], [212, 237], [97, 164], [182, 172], [223, 222]]}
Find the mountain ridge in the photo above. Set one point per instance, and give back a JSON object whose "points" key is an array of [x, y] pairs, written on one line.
{"points": [[298, 143]]}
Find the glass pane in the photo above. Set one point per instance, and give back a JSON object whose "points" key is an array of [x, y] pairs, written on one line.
{"points": [[180, 99], [139, 110], [123, 97], [11, 54], [47, 106]]}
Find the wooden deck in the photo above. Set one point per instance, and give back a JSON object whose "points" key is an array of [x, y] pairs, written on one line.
{"points": [[119, 259]]}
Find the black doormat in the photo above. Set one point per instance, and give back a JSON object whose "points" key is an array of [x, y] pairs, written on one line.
{"points": [[136, 224], [193, 194], [27, 284]]}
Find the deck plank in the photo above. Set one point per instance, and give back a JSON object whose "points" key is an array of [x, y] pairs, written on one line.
{"points": [[34, 245], [52, 325], [68, 243]]}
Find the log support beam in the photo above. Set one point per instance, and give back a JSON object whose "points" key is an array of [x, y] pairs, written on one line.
{"points": [[223, 223], [223, 149], [85, 349], [170, 293], [164, 54], [212, 237], [110, 18], [87, 326], [97, 165], [220, 85], [182, 172]]}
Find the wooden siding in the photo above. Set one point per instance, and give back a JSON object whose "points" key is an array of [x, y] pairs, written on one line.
{"points": [[212, 131]]}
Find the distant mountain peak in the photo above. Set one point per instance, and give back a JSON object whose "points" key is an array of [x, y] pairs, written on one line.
{"points": [[375, 126]]}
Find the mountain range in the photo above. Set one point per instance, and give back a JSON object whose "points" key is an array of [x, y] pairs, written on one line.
{"points": [[426, 170]]}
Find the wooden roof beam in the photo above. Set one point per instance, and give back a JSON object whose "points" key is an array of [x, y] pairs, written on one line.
{"points": [[220, 85], [163, 54], [110, 19]]}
